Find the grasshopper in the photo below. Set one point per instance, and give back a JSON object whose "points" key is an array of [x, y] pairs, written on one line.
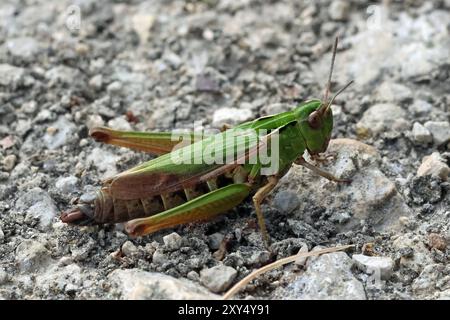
{"points": [[163, 193]]}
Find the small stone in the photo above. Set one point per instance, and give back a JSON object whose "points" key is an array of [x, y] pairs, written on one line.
{"points": [[7, 142], [37, 203], [11, 76], [44, 115], [379, 118], [208, 34], [426, 282], [67, 185], [63, 133], [440, 130], [436, 241], [105, 162], [173, 241], [9, 162], [393, 92], [142, 24], [115, 87], [29, 107], [194, 276], [420, 134], [129, 249], [173, 59], [2, 235], [206, 83], [214, 240], [416, 254], [96, 82], [67, 279], [119, 123], [88, 196], [435, 166], [231, 116], [303, 250], [80, 253], [62, 75], [382, 266], [159, 257], [94, 120], [25, 48], [32, 255], [51, 130], [286, 201], [3, 276], [329, 277], [420, 107], [339, 10], [134, 284], [218, 278]]}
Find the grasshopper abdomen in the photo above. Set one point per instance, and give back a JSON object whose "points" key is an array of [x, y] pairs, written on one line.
{"points": [[108, 209]]}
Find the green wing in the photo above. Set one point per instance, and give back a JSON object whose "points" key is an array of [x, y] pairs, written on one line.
{"points": [[186, 166]]}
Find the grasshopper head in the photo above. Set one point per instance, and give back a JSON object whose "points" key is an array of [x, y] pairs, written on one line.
{"points": [[316, 118], [316, 123]]}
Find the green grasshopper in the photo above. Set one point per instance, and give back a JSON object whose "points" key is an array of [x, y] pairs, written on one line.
{"points": [[163, 192]]}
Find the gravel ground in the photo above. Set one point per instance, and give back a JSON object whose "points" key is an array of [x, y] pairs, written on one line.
{"points": [[159, 65]]}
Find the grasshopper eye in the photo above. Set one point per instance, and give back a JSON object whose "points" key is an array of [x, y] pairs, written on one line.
{"points": [[314, 120]]}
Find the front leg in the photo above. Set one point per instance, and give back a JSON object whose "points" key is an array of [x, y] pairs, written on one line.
{"points": [[257, 199], [320, 172]]}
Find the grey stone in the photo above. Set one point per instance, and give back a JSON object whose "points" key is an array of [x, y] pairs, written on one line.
{"points": [[37, 203], [23, 126], [119, 123], [435, 166], [32, 255], [173, 241], [25, 48], [379, 118], [3, 276], [62, 75], [67, 185], [64, 133], [96, 82], [421, 256], [420, 134], [440, 130], [393, 92], [371, 196], [231, 116], [94, 120], [134, 284], [104, 160], [159, 257], [377, 266], [327, 277], [129, 249], [218, 278], [214, 240], [426, 282], [339, 10], [420, 107], [67, 279], [286, 201], [9, 162], [11, 76]]}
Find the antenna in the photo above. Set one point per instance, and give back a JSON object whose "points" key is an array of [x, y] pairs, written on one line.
{"points": [[337, 93], [333, 58]]}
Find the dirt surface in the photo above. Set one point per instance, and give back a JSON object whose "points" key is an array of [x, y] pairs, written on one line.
{"points": [[67, 66]]}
